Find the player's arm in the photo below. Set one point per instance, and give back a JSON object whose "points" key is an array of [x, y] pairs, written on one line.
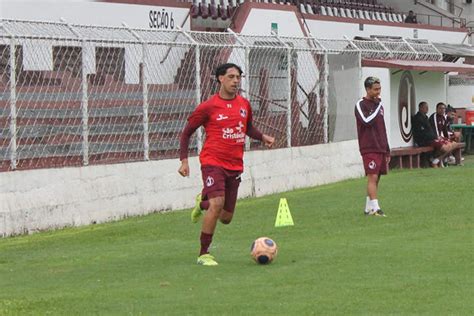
{"points": [[197, 118], [254, 133]]}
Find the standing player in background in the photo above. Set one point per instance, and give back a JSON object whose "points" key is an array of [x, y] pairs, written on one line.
{"points": [[373, 143], [227, 118]]}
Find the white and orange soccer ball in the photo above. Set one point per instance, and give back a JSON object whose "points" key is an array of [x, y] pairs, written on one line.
{"points": [[263, 250]]}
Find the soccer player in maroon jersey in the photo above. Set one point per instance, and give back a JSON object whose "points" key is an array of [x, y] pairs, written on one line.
{"points": [[373, 143], [438, 121], [440, 124], [227, 119]]}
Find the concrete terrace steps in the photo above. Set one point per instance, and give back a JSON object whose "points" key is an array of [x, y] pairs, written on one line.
{"points": [[49, 127]]}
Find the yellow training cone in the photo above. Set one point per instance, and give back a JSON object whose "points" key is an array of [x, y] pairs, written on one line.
{"points": [[283, 216]]}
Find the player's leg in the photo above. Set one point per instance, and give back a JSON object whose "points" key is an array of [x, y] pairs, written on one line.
{"points": [[231, 192], [209, 224], [443, 148], [457, 137], [201, 201], [196, 213], [375, 165], [214, 193], [372, 184]]}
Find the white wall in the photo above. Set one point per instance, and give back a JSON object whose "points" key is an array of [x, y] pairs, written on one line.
{"points": [[330, 29], [92, 13], [429, 87], [259, 22], [43, 199], [460, 96]]}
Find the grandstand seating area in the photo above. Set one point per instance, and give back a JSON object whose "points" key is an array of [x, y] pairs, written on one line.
{"points": [[362, 9]]}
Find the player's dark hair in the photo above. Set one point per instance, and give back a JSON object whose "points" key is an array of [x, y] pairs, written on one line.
{"points": [[370, 81], [449, 108], [222, 69], [421, 104], [440, 104]]}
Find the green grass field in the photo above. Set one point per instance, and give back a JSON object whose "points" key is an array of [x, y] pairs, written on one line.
{"points": [[417, 261]]}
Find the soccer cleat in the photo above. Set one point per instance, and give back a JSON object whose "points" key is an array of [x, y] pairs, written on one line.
{"points": [[375, 213], [196, 212], [207, 260]]}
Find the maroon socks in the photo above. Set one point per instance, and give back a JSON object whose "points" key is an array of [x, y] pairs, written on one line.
{"points": [[206, 240]]}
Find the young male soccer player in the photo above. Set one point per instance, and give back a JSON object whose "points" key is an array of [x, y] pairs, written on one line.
{"points": [[227, 118], [373, 143]]}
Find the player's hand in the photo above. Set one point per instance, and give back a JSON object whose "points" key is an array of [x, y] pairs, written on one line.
{"points": [[184, 169], [268, 140], [388, 158]]}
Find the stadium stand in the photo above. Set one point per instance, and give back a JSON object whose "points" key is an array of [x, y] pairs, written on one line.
{"points": [[370, 10], [366, 10], [209, 8]]}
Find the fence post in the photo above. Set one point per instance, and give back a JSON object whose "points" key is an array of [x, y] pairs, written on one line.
{"points": [[85, 109], [319, 46], [13, 131], [288, 103], [145, 104], [84, 98], [245, 80], [326, 92], [197, 56], [288, 115], [146, 129]]}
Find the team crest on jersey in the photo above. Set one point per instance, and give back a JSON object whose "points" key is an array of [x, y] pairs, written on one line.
{"points": [[209, 181], [372, 165], [243, 112]]}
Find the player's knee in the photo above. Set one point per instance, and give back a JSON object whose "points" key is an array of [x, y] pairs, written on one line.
{"points": [[226, 221], [217, 202], [226, 217]]}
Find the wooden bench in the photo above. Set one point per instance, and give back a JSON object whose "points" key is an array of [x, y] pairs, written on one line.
{"points": [[410, 157]]}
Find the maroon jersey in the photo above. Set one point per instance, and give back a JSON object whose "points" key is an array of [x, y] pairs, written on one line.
{"points": [[439, 125], [226, 123], [371, 129]]}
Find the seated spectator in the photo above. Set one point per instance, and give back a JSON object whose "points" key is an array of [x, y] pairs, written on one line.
{"points": [[450, 117], [411, 17], [438, 121], [424, 135]]}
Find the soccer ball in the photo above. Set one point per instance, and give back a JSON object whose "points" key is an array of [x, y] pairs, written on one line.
{"points": [[263, 250]]}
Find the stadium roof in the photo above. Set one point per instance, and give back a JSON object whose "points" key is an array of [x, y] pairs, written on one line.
{"points": [[457, 50], [420, 65]]}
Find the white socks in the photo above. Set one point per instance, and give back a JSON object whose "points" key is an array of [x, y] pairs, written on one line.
{"points": [[371, 204]]}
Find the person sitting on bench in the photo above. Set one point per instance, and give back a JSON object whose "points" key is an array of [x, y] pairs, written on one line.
{"points": [[450, 116], [424, 135]]}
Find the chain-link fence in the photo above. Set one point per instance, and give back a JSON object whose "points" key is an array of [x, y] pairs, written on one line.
{"points": [[75, 95]]}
